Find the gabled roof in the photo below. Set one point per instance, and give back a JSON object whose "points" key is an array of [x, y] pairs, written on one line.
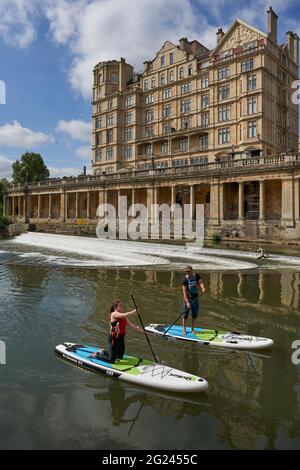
{"points": [[227, 34]]}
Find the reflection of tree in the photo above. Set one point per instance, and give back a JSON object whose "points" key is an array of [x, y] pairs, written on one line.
{"points": [[25, 277]]}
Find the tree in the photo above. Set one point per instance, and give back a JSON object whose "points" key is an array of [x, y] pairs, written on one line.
{"points": [[3, 184], [29, 168]]}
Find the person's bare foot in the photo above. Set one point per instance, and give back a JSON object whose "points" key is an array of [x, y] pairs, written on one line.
{"points": [[184, 331], [194, 332]]}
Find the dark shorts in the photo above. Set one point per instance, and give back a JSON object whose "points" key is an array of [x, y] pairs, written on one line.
{"points": [[116, 350], [195, 307]]}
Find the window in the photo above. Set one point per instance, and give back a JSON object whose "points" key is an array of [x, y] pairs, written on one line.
{"points": [[153, 83], [247, 65], [251, 105], [185, 106], [98, 123], [98, 94], [199, 160], [223, 135], [181, 72], [149, 115], [128, 101], [98, 139], [98, 155], [251, 129], [109, 153], [203, 142], [224, 113], [128, 134], [223, 73], [149, 99], [171, 75], [186, 123], [162, 61], [145, 84], [190, 69], [166, 110], [183, 144], [114, 76], [148, 150], [171, 58], [164, 148], [167, 93], [204, 119], [162, 79], [149, 132], [127, 152], [204, 82], [99, 107], [251, 83], [167, 128], [185, 87], [224, 92], [109, 119], [204, 101], [128, 118], [110, 104], [250, 45], [110, 136]]}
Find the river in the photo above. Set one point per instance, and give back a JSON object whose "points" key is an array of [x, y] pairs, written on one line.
{"points": [[59, 288]]}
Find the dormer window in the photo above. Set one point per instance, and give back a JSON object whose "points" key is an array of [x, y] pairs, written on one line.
{"points": [[162, 61]]}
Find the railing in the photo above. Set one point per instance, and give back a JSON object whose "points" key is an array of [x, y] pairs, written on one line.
{"points": [[268, 161]]}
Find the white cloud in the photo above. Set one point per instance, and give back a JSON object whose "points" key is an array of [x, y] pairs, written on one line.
{"points": [[5, 167], [84, 152], [14, 135], [60, 172], [17, 22], [78, 130]]}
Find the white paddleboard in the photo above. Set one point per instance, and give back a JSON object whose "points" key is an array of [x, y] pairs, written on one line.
{"points": [[221, 339], [133, 369]]}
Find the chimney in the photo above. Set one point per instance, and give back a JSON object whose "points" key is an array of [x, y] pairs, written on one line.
{"points": [[84, 171], [296, 49], [272, 24], [290, 43], [220, 34], [184, 45]]}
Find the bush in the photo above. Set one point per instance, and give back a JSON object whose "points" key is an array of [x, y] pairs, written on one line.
{"points": [[4, 221], [216, 238]]}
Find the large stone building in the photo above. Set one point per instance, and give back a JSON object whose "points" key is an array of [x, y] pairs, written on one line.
{"points": [[216, 127]]}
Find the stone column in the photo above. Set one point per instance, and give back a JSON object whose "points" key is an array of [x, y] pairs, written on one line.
{"points": [[5, 205], [76, 205], [62, 206], [50, 206], [214, 204], [66, 206], [222, 201], [132, 196], [26, 207], [297, 200], [39, 207], [241, 201], [192, 202], [262, 201], [150, 198], [13, 206], [88, 205], [287, 207], [173, 195]]}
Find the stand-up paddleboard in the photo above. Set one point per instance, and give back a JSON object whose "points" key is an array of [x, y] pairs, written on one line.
{"points": [[223, 339], [133, 369]]}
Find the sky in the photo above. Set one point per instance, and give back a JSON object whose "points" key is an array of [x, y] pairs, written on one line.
{"points": [[48, 50]]}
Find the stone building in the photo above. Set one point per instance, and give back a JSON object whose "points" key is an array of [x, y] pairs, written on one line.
{"points": [[215, 127]]}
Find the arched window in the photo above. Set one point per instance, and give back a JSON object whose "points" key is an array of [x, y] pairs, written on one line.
{"points": [[190, 69], [171, 75], [153, 82], [162, 79]]}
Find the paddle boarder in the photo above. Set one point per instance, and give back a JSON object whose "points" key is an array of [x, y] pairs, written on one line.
{"points": [[118, 320], [191, 286]]}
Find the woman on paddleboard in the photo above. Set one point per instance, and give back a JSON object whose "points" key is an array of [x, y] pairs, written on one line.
{"points": [[191, 285], [118, 320]]}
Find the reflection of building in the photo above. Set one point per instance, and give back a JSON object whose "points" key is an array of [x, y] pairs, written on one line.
{"points": [[214, 127]]}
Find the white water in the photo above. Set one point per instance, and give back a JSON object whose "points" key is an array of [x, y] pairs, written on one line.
{"points": [[114, 253]]}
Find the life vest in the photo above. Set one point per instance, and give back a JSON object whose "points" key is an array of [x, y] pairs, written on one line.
{"points": [[192, 286], [118, 328]]}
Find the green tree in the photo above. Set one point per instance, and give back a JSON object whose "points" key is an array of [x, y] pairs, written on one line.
{"points": [[3, 184], [29, 168]]}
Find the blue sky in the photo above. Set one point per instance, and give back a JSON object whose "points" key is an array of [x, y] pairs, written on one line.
{"points": [[48, 49]]}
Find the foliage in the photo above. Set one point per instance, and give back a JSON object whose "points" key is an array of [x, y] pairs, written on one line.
{"points": [[29, 169]]}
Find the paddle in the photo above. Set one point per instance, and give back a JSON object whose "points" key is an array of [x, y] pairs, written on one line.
{"points": [[191, 303], [141, 321]]}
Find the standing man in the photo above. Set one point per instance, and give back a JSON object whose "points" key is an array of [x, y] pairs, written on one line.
{"points": [[190, 288]]}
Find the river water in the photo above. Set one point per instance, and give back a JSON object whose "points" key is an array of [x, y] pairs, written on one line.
{"points": [[55, 289]]}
